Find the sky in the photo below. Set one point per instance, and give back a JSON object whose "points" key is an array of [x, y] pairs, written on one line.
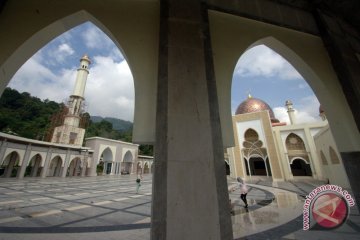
{"points": [[265, 75], [51, 73]]}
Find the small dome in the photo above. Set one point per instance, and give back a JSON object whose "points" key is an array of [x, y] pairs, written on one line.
{"points": [[255, 105], [86, 58]]}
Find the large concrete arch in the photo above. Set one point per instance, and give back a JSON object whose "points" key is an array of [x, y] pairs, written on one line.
{"points": [[233, 35], [134, 29], [188, 95]]}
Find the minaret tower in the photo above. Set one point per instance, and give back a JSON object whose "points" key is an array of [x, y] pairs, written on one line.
{"points": [[70, 132], [290, 111]]}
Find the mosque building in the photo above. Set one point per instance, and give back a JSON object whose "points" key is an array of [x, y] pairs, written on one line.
{"points": [[267, 148], [64, 154]]}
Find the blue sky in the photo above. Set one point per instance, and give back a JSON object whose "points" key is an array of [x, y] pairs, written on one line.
{"points": [[267, 76], [50, 74]]}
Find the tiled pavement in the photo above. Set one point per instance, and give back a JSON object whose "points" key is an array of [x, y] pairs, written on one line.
{"points": [[108, 208], [288, 200], [75, 208]]}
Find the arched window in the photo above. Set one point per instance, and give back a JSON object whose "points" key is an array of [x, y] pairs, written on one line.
{"points": [[294, 142], [323, 158], [251, 135], [333, 156]]}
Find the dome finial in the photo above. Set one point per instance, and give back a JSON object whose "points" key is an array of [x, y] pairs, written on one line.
{"points": [[249, 95], [86, 58]]}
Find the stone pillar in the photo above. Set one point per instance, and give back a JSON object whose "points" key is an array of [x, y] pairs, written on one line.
{"points": [[84, 165], [189, 184], [21, 171], [352, 168], [3, 148], [342, 43], [45, 168], [91, 171], [313, 156], [66, 164]]}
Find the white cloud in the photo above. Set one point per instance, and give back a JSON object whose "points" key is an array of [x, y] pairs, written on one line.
{"points": [[61, 53], [65, 48], [281, 114], [55, 55], [109, 91], [40, 81], [300, 116], [307, 111], [262, 61]]}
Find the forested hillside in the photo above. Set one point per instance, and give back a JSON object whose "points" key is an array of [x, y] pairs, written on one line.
{"points": [[118, 124], [26, 116]]}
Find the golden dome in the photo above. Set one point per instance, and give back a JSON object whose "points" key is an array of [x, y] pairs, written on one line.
{"points": [[251, 105]]}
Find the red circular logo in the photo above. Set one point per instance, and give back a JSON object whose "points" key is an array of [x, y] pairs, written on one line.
{"points": [[329, 210]]}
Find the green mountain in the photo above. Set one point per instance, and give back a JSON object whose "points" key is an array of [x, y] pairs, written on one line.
{"points": [[26, 116], [117, 124]]}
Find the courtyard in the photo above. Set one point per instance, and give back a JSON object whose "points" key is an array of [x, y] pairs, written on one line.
{"points": [[108, 207]]}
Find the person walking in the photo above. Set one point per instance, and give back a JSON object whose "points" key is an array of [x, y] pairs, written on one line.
{"points": [[138, 184], [243, 190]]}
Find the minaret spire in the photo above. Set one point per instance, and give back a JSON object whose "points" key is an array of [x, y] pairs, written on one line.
{"points": [[82, 73], [290, 111], [70, 132]]}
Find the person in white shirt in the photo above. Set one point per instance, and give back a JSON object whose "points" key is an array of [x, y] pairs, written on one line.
{"points": [[243, 190]]}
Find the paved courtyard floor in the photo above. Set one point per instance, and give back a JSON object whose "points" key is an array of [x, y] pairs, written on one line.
{"points": [[108, 207]]}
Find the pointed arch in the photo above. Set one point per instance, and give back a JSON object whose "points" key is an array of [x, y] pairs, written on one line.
{"points": [[55, 167], [294, 143], [323, 158], [75, 167], [10, 165], [251, 135], [311, 62], [44, 35], [128, 157], [33, 168], [292, 57], [127, 163], [107, 155], [146, 168]]}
